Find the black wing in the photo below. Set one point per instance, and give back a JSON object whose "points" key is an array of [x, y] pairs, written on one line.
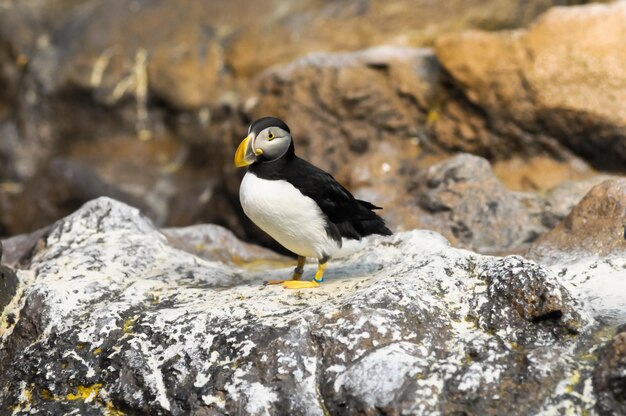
{"points": [[352, 217]]}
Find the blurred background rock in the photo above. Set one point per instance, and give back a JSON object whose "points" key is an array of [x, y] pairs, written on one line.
{"points": [[485, 120]]}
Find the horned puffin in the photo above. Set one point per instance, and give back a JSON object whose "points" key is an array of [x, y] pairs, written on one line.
{"points": [[299, 205]]}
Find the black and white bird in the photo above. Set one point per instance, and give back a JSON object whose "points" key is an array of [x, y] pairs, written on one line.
{"points": [[299, 205]]}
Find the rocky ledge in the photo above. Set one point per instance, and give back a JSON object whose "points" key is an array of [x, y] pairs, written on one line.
{"points": [[110, 317]]}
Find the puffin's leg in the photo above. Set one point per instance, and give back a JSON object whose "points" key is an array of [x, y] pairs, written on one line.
{"points": [[319, 278], [297, 273]]}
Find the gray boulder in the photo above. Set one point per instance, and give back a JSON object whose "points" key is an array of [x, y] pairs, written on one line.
{"points": [[109, 316]]}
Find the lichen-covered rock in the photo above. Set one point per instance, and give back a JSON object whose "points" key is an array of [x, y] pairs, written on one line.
{"points": [[521, 289], [109, 316], [215, 243], [609, 378]]}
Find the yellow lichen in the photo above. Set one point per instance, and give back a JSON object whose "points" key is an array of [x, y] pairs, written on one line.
{"points": [[47, 394], [85, 393], [128, 324], [28, 395], [588, 357], [320, 400], [97, 351], [514, 345], [110, 410], [573, 381], [432, 117], [26, 398]]}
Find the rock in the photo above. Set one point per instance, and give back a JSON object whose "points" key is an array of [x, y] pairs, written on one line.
{"points": [[58, 190], [77, 69], [541, 173], [460, 197], [343, 104], [92, 81], [587, 248], [609, 379], [521, 289], [518, 96], [596, 227], [466, 202], [360, 24], [110, 316], [564, 197], [8, 285], [215, 243], [19, 247]]}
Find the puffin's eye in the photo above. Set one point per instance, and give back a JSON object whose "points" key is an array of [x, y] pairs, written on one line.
{"points": [[270, 136]]}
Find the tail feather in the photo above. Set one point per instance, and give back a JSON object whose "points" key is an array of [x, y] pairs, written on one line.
{"points": [[368, 205], [364, 223]]}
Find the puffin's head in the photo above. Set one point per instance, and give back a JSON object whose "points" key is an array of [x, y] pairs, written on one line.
{"points": [[268, 139]]}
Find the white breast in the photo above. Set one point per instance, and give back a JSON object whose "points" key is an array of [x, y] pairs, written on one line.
{"points": [[292, 219]]}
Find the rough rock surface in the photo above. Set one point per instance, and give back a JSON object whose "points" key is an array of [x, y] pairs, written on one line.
{"points": [[340, 104], [467, 200], [609, 378], [588, 247], [215, 243], [8, 282], [109, 317], [595, 227], [464, 200], [562, 80]]}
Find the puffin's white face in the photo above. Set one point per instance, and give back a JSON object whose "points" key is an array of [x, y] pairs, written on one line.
{"points": [[269, 144]]}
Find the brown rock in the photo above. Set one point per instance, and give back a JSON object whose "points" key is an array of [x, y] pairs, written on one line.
{"points": [[595, 227], [561, 80], [609, 379], [539, 173], [564, 197], [341, 105], [321, 25]]}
